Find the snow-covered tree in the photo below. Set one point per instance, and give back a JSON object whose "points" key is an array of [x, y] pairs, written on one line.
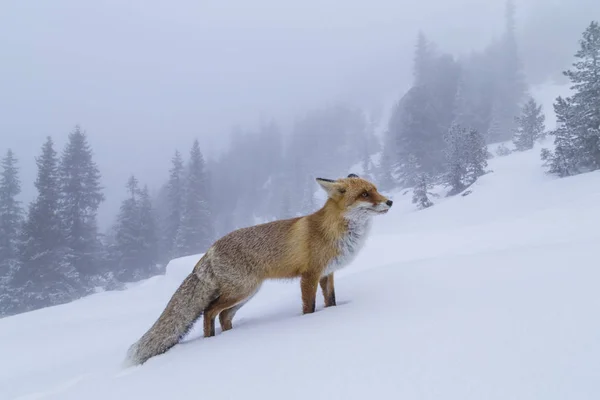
{"points": [[81, 196], [10, 224], [577, 137], [422, 116], [456, 166], [196, 230], [175, 193], [502, 150], [128, 238], [44, 278], [510, 86], [466, 158], [476, 156], [421, 192], [530, 126], [148, 234], [135, 239]]}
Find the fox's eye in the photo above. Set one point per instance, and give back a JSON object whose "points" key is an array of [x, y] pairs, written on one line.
{"points": [[365, 194], [342, 191]]}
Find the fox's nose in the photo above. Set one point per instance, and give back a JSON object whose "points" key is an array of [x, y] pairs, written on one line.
{"points": [[389, 203]]}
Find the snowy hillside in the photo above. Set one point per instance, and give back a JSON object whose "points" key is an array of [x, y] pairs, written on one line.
{"points": [[489, 296]]}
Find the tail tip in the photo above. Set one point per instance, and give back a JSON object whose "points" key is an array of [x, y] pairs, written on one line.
{"points": [[132, 357]]}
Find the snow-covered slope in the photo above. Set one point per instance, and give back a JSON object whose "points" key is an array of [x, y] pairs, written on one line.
{"points": [[489, 296]]}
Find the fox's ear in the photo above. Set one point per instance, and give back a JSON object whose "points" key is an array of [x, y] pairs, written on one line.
{"points": [[330, 186]]}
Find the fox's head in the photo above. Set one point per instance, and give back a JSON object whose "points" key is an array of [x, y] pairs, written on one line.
{"points": [[355, 196]]}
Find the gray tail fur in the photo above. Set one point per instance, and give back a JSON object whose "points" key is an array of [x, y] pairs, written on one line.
{"points": [[185, 307]]}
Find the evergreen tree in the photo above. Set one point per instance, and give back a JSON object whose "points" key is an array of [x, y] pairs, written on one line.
{"points": [[530, 126], [175, 193], [128, 235], [148, 234], [565, 160], [476, 154], [43, 278], [577, 137], [81, 196], [421, 192], [196, 229], [456, 166], [466, 158], [135, 237], [10, 224], [423, 115], [510, 86], [423, 60], [503, 150]]}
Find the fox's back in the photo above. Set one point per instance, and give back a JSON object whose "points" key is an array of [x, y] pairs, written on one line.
{"points": [[277, 249]]}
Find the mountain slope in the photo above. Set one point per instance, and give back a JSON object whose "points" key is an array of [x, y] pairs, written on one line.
{"points": [[488, 296]]}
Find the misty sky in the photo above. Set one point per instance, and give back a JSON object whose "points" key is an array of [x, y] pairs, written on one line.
{"points": [[146, 77]]}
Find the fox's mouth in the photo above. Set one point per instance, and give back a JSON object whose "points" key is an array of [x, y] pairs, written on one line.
{"points": [[380, 211]]}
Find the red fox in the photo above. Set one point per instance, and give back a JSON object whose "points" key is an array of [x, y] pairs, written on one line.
{"points": [[230, 273]]}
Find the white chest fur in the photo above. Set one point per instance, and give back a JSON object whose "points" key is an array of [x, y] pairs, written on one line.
{"points": [[359, 227]]}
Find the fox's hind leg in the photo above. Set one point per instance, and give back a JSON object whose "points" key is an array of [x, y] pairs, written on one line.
{"points": [[328, 289], [226, 316], [309, 283], [220, 304], [224, 302]]}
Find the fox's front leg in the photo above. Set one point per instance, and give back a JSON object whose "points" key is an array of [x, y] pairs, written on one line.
{"points": [[309, 283], [328, 290]]}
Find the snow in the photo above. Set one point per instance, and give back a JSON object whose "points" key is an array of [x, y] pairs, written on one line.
{"points": [[493, 295]]}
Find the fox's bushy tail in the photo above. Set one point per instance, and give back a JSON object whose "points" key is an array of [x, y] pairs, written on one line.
{"points": [[185, 307]]}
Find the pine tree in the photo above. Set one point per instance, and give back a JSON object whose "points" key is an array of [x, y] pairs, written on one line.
{"points": [[530, 126], [466, 158], [81, 196], [135, 244], [423, 60], [456, 168], [43, 279], [577, 137], [421, 192], [423, 115], [128, 236], [476, 154], [148, 235], [585, 78], [565, 160], [196, 230], [10, 224], [175, 193], [502, 150], [510, 84]]}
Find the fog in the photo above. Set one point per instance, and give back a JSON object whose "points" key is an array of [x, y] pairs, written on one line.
{"points": [[146, 77]]}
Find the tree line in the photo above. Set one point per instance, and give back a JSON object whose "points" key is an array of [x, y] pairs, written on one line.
{"points": [[52, 251]]}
